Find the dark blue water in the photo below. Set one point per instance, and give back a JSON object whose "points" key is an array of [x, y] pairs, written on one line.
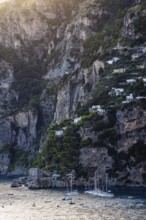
{"points": [[138, 192], [135, 192]]}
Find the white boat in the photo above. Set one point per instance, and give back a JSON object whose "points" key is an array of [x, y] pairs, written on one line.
{"points": [[100, 193], [97, 191]]}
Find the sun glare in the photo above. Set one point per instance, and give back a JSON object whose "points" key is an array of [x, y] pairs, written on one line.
{"points": [[2, 1]]}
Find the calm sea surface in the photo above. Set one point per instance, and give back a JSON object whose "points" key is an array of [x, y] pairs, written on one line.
{"points": [[23, 204]]}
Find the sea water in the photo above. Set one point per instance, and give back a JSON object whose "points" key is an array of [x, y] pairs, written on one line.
{"points": [[24, 204]]}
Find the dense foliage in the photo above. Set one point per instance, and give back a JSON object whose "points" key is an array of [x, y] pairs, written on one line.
{"points": [[61, 153]]}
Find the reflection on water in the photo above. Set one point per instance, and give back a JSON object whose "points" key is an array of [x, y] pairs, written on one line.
{"points": [[22, 204]]}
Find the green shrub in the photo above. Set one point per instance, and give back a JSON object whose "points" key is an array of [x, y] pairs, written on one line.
{"points": [[86, 142]]}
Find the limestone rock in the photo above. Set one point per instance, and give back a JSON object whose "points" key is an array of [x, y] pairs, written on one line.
{"points": [[131, 119], [96, 158], [4, 163], [77, 90]]}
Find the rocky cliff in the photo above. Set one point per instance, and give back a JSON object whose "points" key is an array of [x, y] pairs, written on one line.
{"points": [[60, 61]]}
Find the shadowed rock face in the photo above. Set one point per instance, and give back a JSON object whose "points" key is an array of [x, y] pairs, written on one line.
{"points": [[51, 31]]}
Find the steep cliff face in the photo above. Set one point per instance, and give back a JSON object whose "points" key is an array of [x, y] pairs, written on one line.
{"points": [[58, 59], [17, 131], [40, 43], [76, 89], [51, 32]]}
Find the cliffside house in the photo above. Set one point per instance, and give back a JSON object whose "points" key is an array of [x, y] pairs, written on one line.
{"points": [[129, 97], [95, 107], [59, 133], [113, 60], [101, 111], [120, 70], [144, 81], [110, 62], [76, 120], [140, 97], [98, 109], [116, 92], [125, 102], [131, 81]]}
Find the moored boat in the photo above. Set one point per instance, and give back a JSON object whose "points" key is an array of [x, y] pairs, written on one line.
{"points": [[99, 192]]}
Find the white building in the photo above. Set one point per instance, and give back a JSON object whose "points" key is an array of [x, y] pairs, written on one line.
{"points": [[101, 111], [140, 97], [129, 97], [59, 133], [144, 81], [110, 62], [76, 120], [116, 92], [113, 60], [125, 102], [95, 107], [66, 73], [131, 81], [120, 70], [116, 59], [98, 109]]}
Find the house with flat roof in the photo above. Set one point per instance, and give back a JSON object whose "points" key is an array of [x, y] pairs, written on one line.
{"points": [[101, 111], [116, 92], [110, 62], [59, 133], [140, 97], [129, 97], [95, 107], [131, 81], [113, 60], [76, 120], [144, 81], [120, 70], [98, 109]]}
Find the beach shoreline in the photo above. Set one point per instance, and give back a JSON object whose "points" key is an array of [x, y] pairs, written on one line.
{"points": [[24, 204]]}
